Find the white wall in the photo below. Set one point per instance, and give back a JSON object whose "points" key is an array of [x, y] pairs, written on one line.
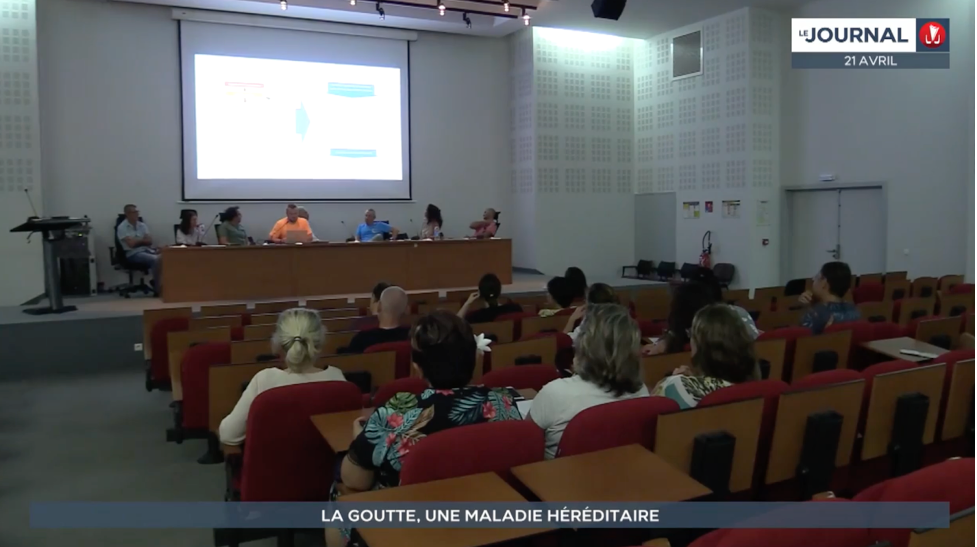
{"points": [[970, 199], [110, 93], [21, 271], [907, 127]]}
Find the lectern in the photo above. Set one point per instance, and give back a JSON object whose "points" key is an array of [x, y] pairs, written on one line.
{"points": [[52, 229]]}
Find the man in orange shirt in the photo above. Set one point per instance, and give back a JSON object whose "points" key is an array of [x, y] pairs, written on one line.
{"points": [[291, 222]]}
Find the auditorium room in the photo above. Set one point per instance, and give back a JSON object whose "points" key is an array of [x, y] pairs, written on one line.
{"points": [[470, 273]]}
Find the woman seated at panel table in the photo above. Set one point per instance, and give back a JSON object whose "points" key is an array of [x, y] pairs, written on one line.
{"points": [[230, 231], [488, 226], [722, 355], [298, 337], [607, 367], [489, 291], [432, 223], [444, 352], [189, 232]]}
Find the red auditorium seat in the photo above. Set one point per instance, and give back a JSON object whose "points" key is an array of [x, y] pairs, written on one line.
{"points": [[522, 377], [635, 422], [285, 457], [825, 378], [516, 319], [963, 288], [651, 329], [159, 366], [402, 358], [195, 370], [800, 537], [480, 448], [950, 358], [564, 348], [950, 481], [770, 391], [869, 292], [790, 334], [861, 332], [887, 330], [400, 385]]}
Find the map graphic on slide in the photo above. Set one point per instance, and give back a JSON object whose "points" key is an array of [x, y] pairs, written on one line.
{"points": [[296, 120]]}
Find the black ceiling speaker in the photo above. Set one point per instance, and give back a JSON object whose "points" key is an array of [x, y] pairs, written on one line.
{"points": [[608, 9]]}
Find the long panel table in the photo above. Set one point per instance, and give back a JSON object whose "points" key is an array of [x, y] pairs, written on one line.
{"points": [[198, 274]]}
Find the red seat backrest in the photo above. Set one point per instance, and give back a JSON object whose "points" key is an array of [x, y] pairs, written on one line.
{"points": [[887, 330], [861, 332], [963, 288], [790, 334], [950, 481], [195, 371], [826, 378], [869, 374], [516, 318], [635, 422], [159, 366], [285, 457], [564, 348], [402, 356], [910, 329], [799, 537], [770, 391], [471, 449], [400, 385], [869, 292], [950, 358], [650, 329], [522, 377]]}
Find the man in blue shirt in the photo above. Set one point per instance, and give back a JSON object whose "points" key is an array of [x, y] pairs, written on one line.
{"points": [[371, 230], [137, 243], [828, 292]]}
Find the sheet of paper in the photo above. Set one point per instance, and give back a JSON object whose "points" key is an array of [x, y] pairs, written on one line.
{"points": [[524, 406]]}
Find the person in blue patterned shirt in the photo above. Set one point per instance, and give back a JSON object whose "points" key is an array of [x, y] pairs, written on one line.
{"points": [[827, 298]]}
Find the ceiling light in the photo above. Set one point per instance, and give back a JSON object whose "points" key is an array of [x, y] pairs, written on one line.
{"points": [[352, 2], [441, 8], [284, 5], [505, 6], [525, 17]]}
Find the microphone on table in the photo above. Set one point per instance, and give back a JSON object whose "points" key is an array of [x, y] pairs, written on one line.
{"points": [[207, 228], [348, 231], [417, 234]]}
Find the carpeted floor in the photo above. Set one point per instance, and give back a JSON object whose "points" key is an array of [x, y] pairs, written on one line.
{"points": [[96, 438]]}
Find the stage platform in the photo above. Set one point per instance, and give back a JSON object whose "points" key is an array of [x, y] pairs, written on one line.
{"points": [[102, 334]]}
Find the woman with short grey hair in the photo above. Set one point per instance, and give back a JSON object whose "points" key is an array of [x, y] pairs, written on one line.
{"points": [[297, 341], [607, 366]]}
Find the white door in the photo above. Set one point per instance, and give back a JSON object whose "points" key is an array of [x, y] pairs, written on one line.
{"points": [[862, 230], [813, 217]]}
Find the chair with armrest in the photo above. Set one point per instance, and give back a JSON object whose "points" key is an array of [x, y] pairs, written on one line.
{"points": [[644, 269], [120, 263]]}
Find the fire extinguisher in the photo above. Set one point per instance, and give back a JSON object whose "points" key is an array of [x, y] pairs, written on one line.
{"points": [[705, 259]]}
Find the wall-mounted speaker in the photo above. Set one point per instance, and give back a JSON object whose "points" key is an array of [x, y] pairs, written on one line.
{"points": [[608, 9]]}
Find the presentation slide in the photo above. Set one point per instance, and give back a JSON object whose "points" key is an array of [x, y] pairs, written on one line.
{"points": [[275, 119], [274, 114]]}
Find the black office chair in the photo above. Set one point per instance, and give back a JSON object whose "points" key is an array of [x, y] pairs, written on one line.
{"points": [[795, 287], [665, 271], [724, 273], [119, 261], [642, 270], [688, 271], [497, 223]]}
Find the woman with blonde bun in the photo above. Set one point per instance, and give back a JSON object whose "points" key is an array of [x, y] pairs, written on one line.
{"points": [[298, 338]]}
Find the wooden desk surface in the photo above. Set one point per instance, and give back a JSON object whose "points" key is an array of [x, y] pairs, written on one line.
{"points": [[283, 271], [485, 487], [627, 473], [337, 428], [892, 346]]}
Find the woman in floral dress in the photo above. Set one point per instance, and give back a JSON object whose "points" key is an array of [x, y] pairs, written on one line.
{"points": [[444, 352]]}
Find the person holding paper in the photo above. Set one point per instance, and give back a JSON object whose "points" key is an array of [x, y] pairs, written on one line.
{"points": [[607, 363], [444, 353], [291, 222], [371, 230]]}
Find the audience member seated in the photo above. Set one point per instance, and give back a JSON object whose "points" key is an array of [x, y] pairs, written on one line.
{"points": [[304, 214], [189, 232], [722, 355], [559, 296], [230, 231], [137, 243], [827, 298], [489, 290], [607, 367], [598, 293], [486, 227], [298, 336], [708, 278], [371, 230], [444, 352], [432, 223], [578, 280], [687, 300], [291, 223], [390, 311]]}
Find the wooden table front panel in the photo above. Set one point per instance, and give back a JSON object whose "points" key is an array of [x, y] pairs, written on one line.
{"points": [[200, 274]]}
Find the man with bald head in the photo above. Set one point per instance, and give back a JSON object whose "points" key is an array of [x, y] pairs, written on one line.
{"points": [[390, 312], [372, 230], [486, 227]]}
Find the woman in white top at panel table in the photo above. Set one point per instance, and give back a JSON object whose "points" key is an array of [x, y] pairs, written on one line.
{"points": [[607, 366], [189, 232], [298, 338]]}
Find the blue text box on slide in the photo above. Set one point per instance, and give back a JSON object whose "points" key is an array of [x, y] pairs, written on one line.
{"points": [[353, 91], [347, 153]]}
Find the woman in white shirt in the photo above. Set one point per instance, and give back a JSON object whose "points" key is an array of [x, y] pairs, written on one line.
{"points": [[189, 232], [297, 340], [607, 363]]}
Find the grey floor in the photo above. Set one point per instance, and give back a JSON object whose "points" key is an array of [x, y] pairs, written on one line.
{"points": [[95, 438]]}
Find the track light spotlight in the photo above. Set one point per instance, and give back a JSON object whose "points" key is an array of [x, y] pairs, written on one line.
{"points": [[284, 4], [352, 2], [466, 19], [525, 17], [383, 14], [505, 6], [441, 8]]}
